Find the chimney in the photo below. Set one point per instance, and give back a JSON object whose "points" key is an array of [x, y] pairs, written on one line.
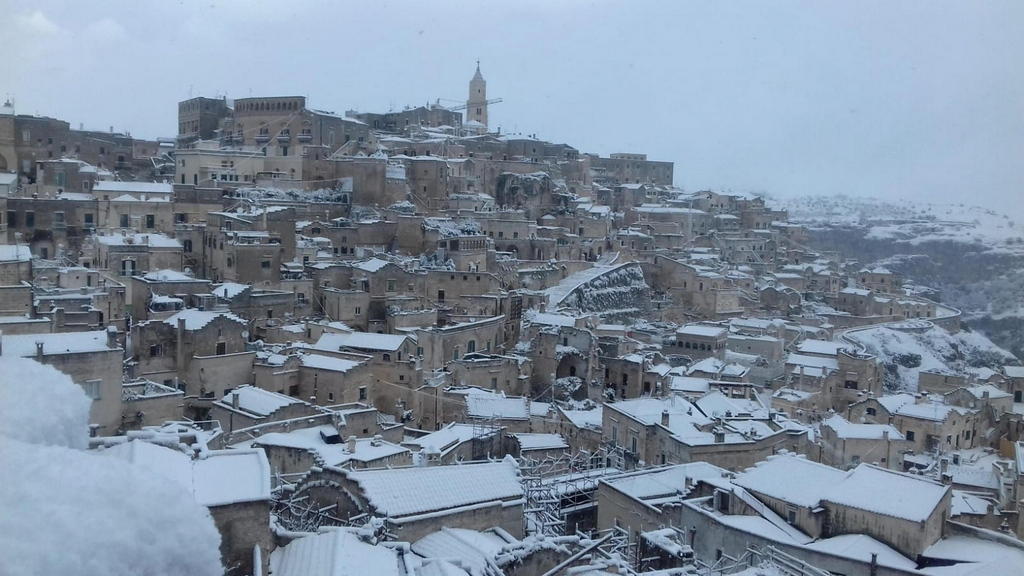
{"points": [[39, 348], [352, 444], [664, 418], [719, 436], [112, 336], [179, 344], [234, 400]]}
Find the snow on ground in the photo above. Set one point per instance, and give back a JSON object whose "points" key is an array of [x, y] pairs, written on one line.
{"points": [[69, 511], [907, 353]]}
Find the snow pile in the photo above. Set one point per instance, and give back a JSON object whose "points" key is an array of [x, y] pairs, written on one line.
{"points": [[68, 511], [906, 354], [40, 405]]}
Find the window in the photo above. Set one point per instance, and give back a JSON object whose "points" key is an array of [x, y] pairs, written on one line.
{"points": [[89, 220], [362, 393], [471, 347], [330, 396], [390, 285], [791, 515], [154, 350], [92, 388], [58, 220], [30, 219], [357, 311], [265, 264], [222, 348], [910, 435], [871, 411], [124, 221], [12, 218], [150, 221], [615, 435], [850, 385], [386, 357], [187, 245]]}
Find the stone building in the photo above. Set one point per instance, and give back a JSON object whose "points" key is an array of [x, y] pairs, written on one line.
{"points": [[93, 360], [199, 351]]}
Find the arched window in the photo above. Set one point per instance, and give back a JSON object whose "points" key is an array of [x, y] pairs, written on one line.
{"points": [[471, 347]]}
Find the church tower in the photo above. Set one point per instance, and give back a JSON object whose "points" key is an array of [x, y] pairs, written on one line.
{"points": [[476, 105]]}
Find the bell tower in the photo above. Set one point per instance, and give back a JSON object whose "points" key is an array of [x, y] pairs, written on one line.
{"points": [[476, 105]]}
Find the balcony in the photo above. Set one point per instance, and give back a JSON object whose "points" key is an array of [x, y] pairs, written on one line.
{"points": [[284, 136], [305, 136], [263, 137]]}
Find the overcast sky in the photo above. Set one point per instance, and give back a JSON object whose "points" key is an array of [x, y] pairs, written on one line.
{"points": [[895, 99]]}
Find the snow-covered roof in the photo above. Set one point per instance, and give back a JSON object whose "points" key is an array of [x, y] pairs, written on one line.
{"points": [[702, 330], [930, 410], [371, 265], [149, 239], [196, 319], [537, 441], [485, 404], [402, 492], [549, 319], [141, 187], [823, 365], [15, 253], [712, 365], [590, 419], [663, 483], [820, 347], [968, 503], [887, 492], [861, 547], [1013, 371], [257, 401], [229, 290], [449, 437], [334, 552], [169, 276], [475, 552], [321, 362], [689, 384], [992, 391], [359, 340], [24, 345], [718, 405], [313, 440], [894, 402], [850, 430], [791, 479]]}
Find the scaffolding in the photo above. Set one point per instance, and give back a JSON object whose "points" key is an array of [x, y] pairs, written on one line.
{"points": [[555, 486]]}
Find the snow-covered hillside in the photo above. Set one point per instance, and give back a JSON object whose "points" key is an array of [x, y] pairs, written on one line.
{"points": [[971, 258], [911, 223], [906, 353]]}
